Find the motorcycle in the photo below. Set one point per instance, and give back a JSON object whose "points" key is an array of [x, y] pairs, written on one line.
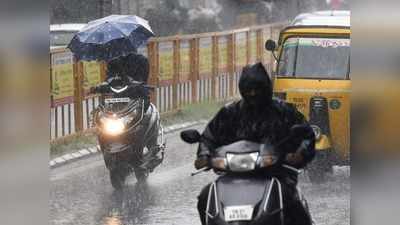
{"points": [[129, 131], [244, 167]]}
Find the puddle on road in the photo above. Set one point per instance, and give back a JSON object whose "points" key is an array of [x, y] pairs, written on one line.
{"points": [[156, 202], [169, 197]]}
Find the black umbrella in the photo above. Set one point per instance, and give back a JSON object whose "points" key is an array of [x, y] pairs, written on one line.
{"points": [[110, 37]]}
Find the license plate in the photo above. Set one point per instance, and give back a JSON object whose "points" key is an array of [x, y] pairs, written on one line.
{"points": [[115, 100], [238, 213]]}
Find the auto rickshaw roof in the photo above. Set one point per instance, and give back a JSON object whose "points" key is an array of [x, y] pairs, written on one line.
{"points": [[319, 23], [314, 31], [323, 18]]}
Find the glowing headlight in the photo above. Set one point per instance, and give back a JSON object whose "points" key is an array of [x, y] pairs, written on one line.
{"points": [[317, 131], [113, 126], [242, 162]]}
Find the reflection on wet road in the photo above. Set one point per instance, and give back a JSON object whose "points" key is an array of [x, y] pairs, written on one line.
{"points": [[81, 194], [154, 202]]}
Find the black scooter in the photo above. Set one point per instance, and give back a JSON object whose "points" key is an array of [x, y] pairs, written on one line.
{"points": [[242, 195], [129, 131]]}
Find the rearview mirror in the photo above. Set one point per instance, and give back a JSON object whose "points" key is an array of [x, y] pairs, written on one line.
{"points": [[190, 136], [270, 45]]}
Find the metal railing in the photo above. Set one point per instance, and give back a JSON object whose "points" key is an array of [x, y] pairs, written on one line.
{"points": [[185, 69]]}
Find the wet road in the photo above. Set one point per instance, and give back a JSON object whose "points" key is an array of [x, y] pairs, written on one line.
{"points": [[81, 193]]}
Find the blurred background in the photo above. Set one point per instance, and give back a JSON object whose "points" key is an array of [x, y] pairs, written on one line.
{"points": [[170, 17], [375, 109]]}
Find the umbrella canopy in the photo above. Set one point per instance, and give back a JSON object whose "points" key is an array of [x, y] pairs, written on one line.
{"points": [[110, 37]]}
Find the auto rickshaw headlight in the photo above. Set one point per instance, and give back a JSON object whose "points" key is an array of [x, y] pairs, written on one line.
{"points": [[317, 132]]}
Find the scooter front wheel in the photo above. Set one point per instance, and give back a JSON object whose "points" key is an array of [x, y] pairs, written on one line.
{"points": [[141, 174], [117, 178]]}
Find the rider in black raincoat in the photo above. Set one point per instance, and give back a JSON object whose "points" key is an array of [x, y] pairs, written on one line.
{"points": [[135, 67], [258, 117]]}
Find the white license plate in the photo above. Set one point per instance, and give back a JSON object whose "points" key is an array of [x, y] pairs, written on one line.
{"points": [[238, 213], [115, 100]]}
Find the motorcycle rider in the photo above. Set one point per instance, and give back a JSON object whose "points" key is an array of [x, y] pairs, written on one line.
{"points": [[127, 69], [135, 67], [258, 117]]}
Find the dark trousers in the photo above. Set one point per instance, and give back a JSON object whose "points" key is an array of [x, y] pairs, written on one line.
{"points": [[295, 211]]}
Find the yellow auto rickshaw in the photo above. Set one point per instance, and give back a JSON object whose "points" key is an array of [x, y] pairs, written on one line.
{"points": [[313, 72]]}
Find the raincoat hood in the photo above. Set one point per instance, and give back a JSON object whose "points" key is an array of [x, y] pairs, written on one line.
{"points": [[255, 86], [134, 65]]}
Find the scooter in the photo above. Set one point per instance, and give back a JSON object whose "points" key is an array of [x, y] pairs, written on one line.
{"points": [[244, 193], [130, 135]]}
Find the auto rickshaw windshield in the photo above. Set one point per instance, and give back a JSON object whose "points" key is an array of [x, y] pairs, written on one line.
{"points": [[324, 58]]}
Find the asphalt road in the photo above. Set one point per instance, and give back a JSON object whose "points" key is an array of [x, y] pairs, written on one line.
{"points": [[81, 193]]}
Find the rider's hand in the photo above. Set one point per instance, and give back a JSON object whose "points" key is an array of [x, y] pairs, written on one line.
{"points": [[201, 162], [294, 159], [92, 90]]}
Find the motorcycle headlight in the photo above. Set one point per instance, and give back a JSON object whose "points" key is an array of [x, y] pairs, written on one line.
{"points": [[242, 162], [317, 131], [113, 126]]}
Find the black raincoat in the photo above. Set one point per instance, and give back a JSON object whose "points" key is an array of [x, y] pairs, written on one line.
{"points": [[133, 65], [136, 67], [259, 118]]}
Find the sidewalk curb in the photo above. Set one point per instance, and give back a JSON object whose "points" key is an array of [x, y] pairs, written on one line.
{"points": [[87, 152]]}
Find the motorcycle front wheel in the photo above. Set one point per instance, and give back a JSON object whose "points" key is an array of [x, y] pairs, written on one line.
{"points": [[141, 174], [117, 178]]}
